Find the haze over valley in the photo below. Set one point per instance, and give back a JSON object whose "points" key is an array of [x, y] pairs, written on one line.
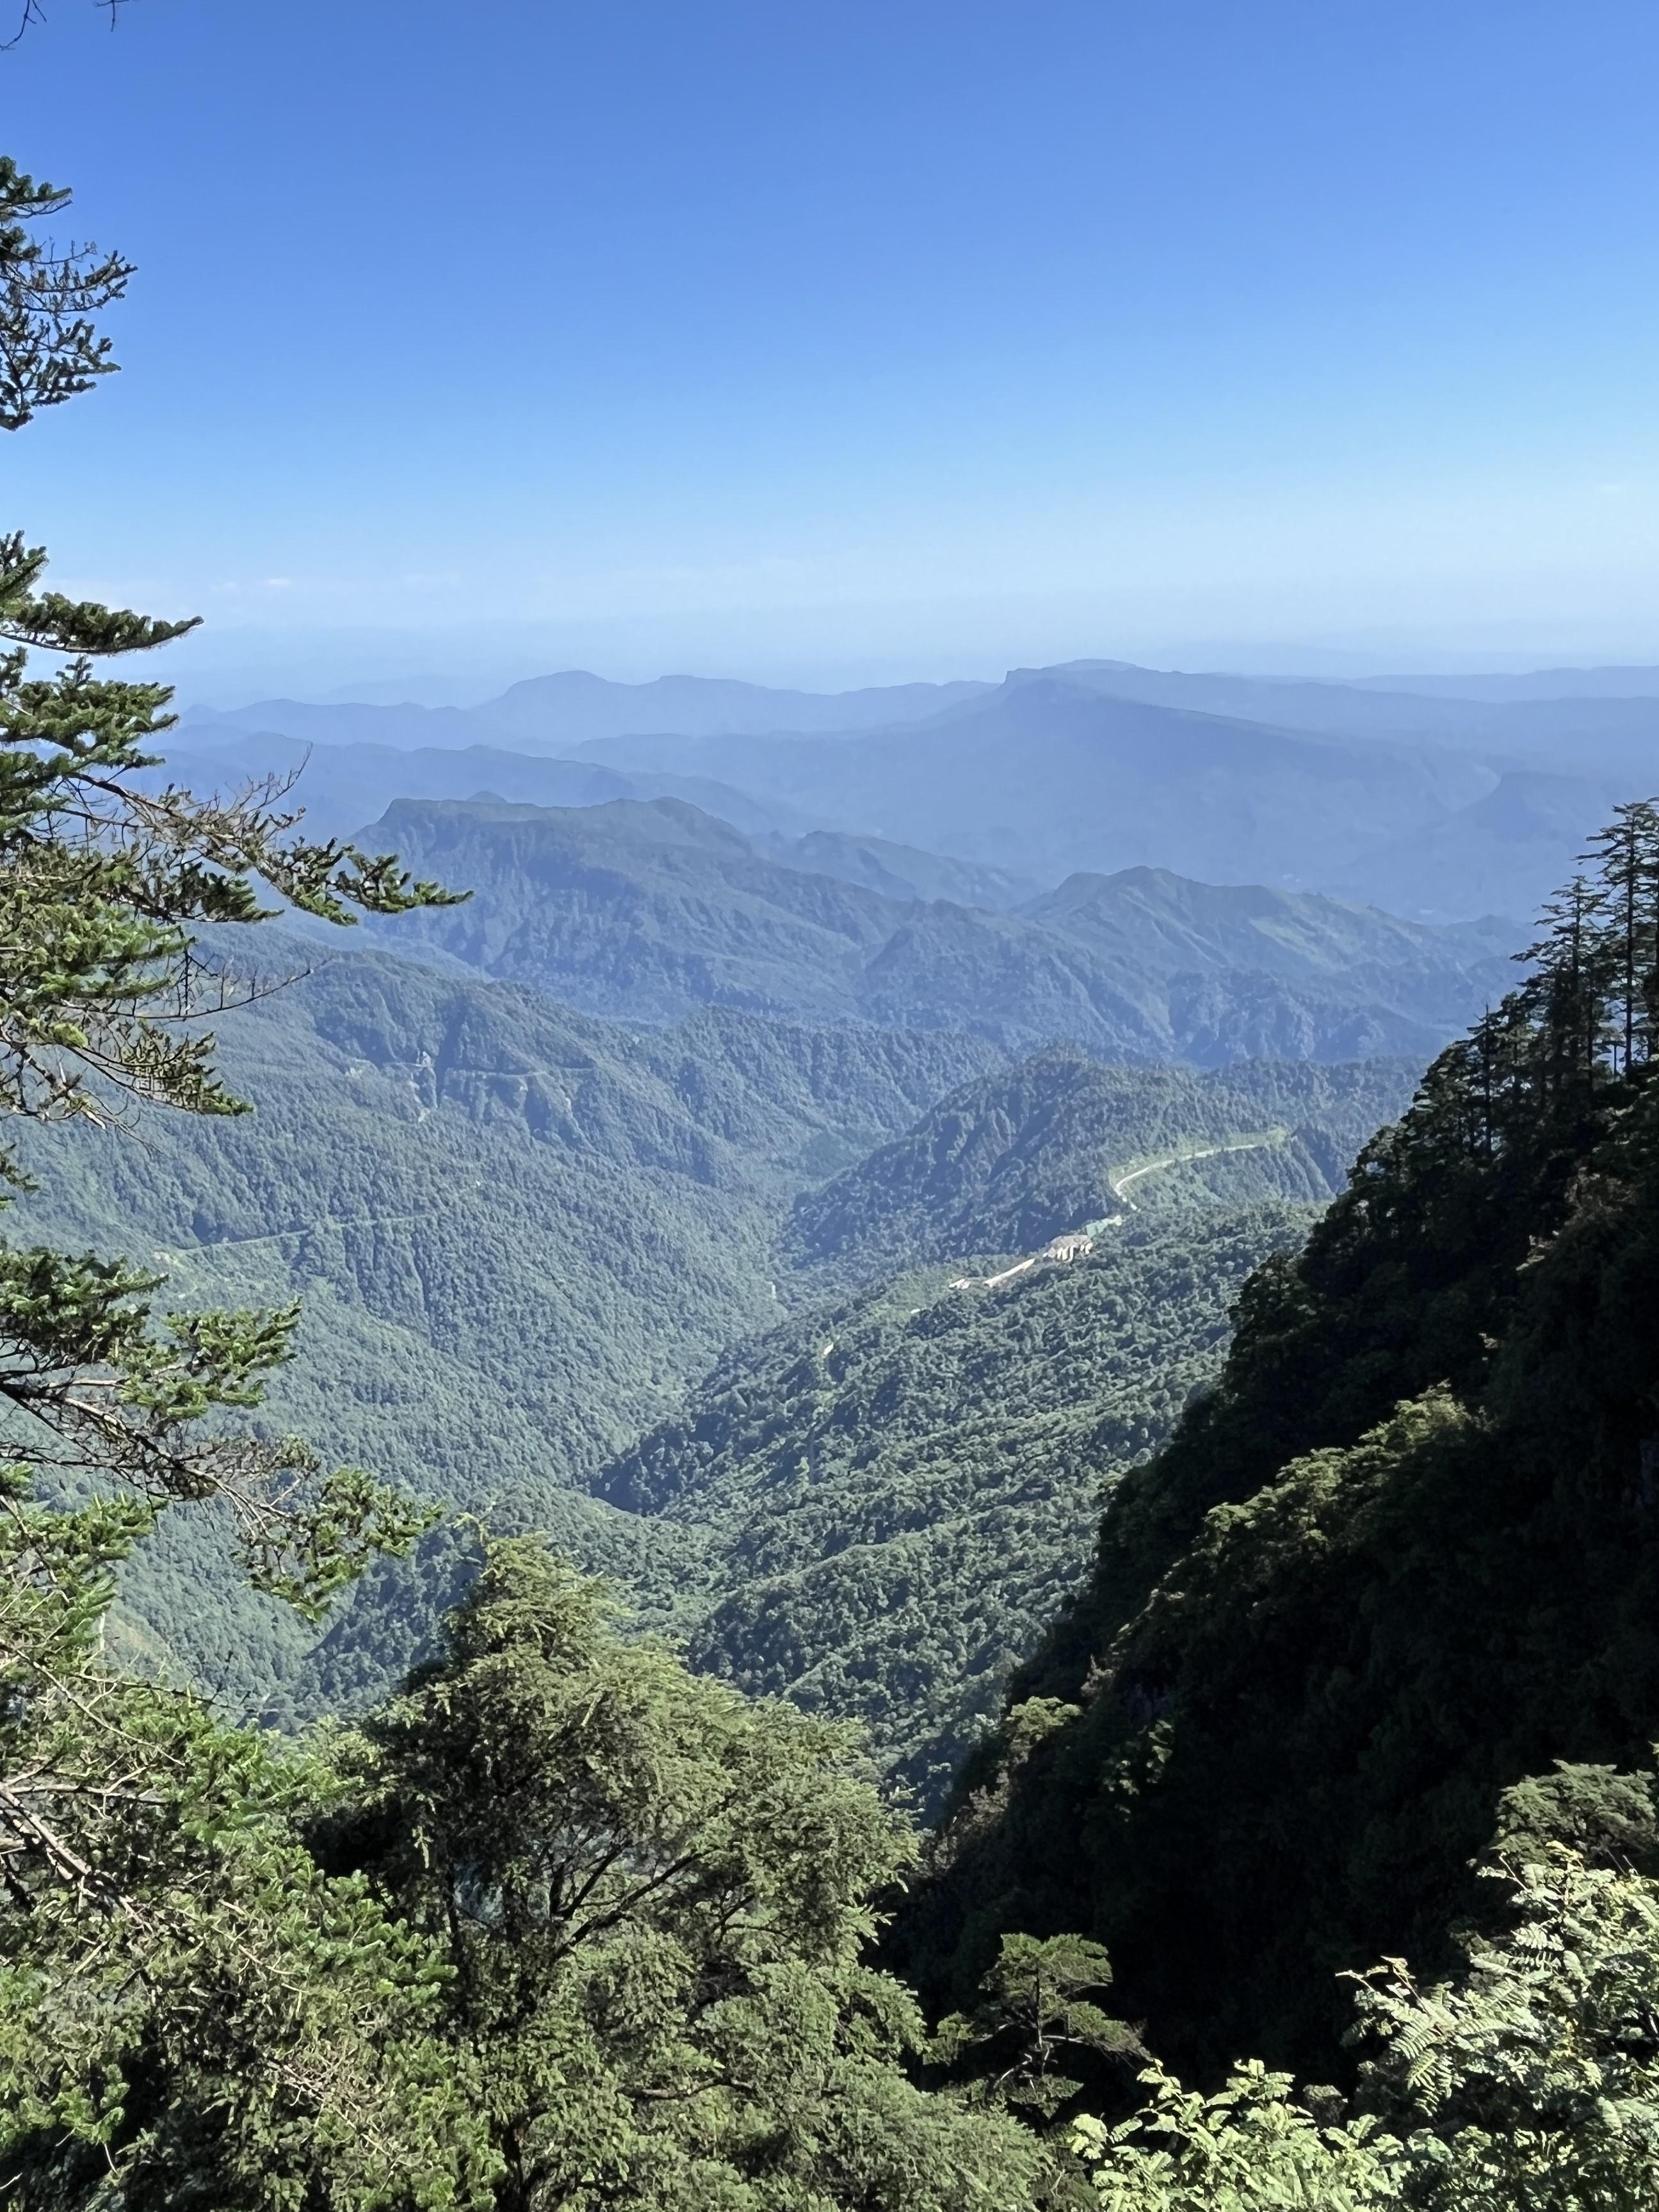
{"points": [[781, 1042], [1436, 808], [828, 1108]]}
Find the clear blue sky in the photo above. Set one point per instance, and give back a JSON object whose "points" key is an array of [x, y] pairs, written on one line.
{"points": [[837, 340]]}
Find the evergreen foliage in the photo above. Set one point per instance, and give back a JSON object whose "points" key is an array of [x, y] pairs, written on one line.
{"points": [[1399, 1557], [50, 348], [879, 1506], [650, 1899]]}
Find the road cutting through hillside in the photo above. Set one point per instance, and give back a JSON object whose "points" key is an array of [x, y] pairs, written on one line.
{"points": [[1063, 1249], [169, 1254]]}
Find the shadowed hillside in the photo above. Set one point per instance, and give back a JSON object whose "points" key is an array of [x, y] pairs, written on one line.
{"points": [[1401, 1556], [645, 912]]}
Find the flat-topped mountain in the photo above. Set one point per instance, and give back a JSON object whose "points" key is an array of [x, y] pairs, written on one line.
{"points": [[1068, 770], [646, 911]]}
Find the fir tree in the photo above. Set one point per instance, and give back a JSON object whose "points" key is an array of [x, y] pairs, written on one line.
{"points": [[564, 1927], [1628, 855], [166, 1948]]}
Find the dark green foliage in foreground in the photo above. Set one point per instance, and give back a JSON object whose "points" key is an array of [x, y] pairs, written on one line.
{"points": [[1404, 1554], [1528, 2082], [1036, 2013], [651, 1901], [881, 1506]]}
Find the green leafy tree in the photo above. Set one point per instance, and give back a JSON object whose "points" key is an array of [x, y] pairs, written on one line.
{"points": [[651, 1897], [1528, 2081], [1251, 2147]]}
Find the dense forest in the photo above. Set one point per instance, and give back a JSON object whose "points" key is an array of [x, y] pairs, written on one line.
{"points": [[1338, 1752], [511, 1221], [1397, 1559], [650, 911], [888, 1503], [505, 1221], [1021, 1156]]}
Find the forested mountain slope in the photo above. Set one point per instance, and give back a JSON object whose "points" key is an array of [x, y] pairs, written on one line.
{"points": [[1404, 1554], [1154, 919], [881, 1505], [1023, 1154], [646, 911], [845, 1506], [518, 1232], [512, 1223]]}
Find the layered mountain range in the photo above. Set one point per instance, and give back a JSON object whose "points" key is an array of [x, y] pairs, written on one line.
{"points": [[1438, 803], [817, 1161], [649, 910]]}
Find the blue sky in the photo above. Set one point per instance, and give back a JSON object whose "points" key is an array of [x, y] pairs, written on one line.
{"points": [[835, 342]]}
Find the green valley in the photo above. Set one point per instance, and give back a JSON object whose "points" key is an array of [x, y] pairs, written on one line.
{"points": [[522, 1235], [882, 1504]]}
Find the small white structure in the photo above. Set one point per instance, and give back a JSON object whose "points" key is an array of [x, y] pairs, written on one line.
{"points": [[1073, 1246]]}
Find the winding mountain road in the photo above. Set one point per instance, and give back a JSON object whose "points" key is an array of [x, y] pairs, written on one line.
{"points": [[1118, 1181]]}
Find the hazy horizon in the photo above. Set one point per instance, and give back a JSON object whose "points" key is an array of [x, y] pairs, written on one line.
{"points": [[829, 349], [341, 667]]}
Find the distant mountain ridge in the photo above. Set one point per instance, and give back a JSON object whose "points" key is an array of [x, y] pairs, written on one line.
{"points": [[1056, 771], [551, 710], [1612, 721], [1630, 682], [551, 713], [343, 786], [1090, 766], [646, 912]]}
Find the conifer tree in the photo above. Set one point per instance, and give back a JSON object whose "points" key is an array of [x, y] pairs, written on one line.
{"points": [[1628, 853], [169, 1958], [564, 1928]]}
